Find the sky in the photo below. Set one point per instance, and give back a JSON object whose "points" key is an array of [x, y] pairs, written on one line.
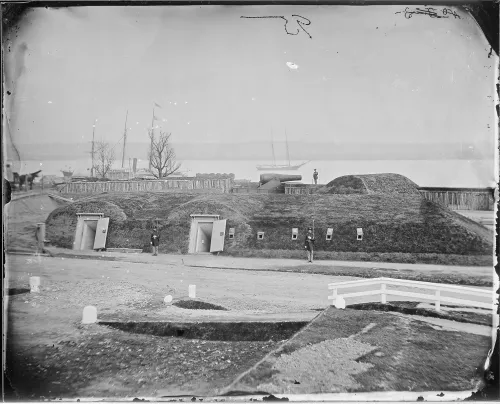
{"points": [[358, 75]]}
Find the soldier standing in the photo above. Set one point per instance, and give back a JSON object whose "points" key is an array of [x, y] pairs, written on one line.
{"points": [[309, 244], [315, 177], [155, 241]]}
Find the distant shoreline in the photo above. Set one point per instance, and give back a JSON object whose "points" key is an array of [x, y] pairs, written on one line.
{"points": [[425, 173]]}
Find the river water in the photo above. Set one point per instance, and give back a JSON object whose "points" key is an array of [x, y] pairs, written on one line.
{"points": [[426, 173]]}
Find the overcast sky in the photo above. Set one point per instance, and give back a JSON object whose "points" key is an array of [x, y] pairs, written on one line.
{"points": [[366, 75]]}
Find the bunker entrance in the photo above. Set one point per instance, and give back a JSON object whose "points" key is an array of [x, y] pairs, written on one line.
{"points": [[207, 234], [204, 237], [91, 231]]}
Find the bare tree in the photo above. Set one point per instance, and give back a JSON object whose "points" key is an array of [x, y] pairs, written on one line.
{"points": [[104, 158], [162, 155]]}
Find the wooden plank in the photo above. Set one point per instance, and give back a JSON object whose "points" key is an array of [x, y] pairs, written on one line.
{"points": [[341, 285], [438, 286], [443, 299], [467, 302], [364, 293]]}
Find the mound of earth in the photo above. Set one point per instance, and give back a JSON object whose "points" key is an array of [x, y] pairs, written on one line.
{"points": [[197, 305], [372, 183], [61, 223], [392, 222]]}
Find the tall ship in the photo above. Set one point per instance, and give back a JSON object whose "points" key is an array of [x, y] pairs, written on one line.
{"points": [[274, 166]]}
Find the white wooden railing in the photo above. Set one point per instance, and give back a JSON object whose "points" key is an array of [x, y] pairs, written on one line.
{"points": [[436, 297]]}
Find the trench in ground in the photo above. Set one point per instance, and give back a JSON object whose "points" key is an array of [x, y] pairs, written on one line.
{"points": [[213, 331]]}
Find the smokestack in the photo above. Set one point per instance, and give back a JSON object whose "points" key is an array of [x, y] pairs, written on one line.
{"points": [[134, 165]]}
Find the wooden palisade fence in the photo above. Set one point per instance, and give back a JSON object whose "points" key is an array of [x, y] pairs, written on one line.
{"points": [[220, 185], [461, 198]]}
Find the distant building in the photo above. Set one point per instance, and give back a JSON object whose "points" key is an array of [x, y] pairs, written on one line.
{"points": [[144, 174], [120, 174]]}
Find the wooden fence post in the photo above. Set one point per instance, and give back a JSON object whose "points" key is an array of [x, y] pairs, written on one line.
{"points": [[40, 236], [334, 297]]}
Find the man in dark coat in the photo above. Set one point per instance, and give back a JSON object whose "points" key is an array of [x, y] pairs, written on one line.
{"points": [[309, 244], [315, 177], [155, 241]]}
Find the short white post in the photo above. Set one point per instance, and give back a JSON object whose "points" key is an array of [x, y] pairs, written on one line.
{"points": [[340, 302], [383, 295], [192, 291], [34, 284], [89, 315], [438, 300]]}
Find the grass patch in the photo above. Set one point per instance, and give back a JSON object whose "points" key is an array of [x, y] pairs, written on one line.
{"points": [[419, 357], [61, 222], [401, 224], [403, 258], [434, 276], [407, 355], [197, 305], [347, 184], [411, 308]]}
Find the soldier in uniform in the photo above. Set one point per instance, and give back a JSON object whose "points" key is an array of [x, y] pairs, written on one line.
{"points": [[155, 241], [315, 177], [309, 244]]}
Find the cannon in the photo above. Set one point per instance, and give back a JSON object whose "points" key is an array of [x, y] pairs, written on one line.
{"points": [[271, 182], [265, 178]]}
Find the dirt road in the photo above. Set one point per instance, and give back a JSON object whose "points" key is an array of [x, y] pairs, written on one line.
{"points": [[235, 290], [247, 292], [270, 264]]}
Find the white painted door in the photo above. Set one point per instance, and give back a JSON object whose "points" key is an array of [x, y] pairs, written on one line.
{"points": [[218, 233], [101, 232]]}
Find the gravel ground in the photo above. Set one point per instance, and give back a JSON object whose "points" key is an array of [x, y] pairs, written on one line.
{"points": [[101, 362], [323, 368]]}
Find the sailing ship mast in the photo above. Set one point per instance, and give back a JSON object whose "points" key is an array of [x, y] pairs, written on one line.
{"points": [[152, 136], [275, 166], [92, 152], [124, 139], [287, 151]]}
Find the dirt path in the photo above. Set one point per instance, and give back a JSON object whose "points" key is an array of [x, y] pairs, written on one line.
{"points": [[237, 290], [212, 261], [246, 292]]}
